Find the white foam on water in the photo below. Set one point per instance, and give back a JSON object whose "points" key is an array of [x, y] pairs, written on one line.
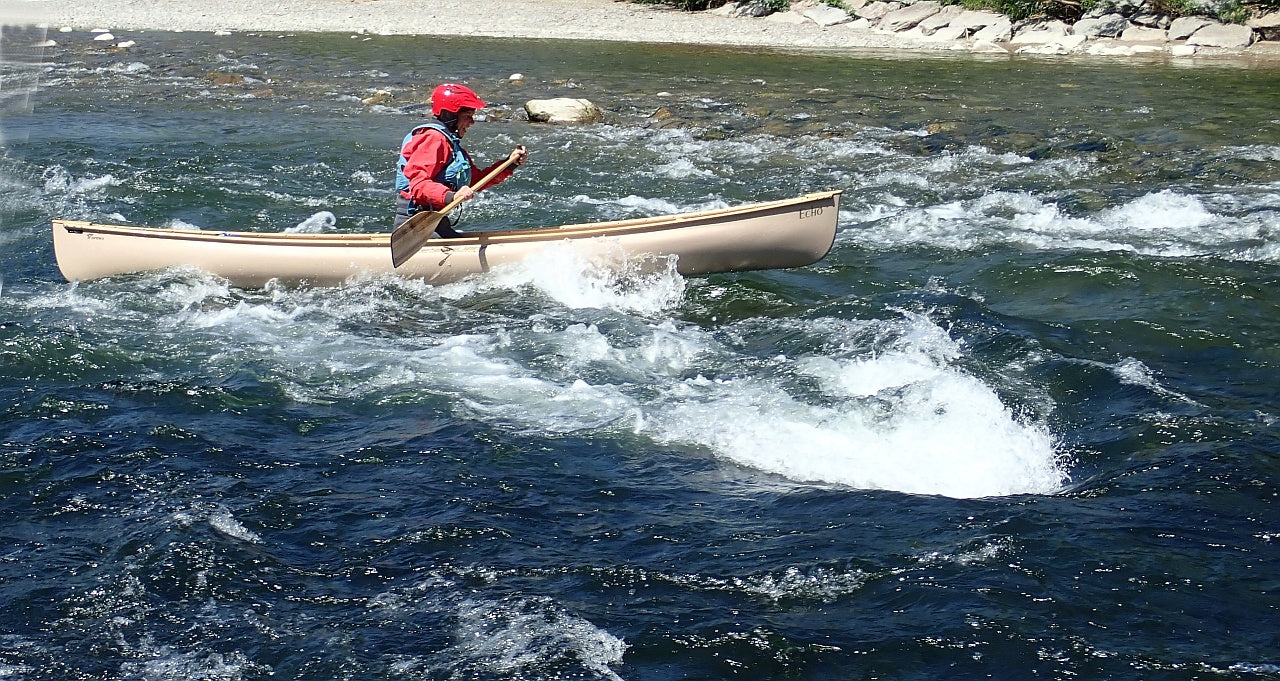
{"points": [[512, 636], [1166, 223], [226, 63], [321, 222], [596, 275], [1131, 371], [681, 169], [891, 411], [899, 416], [176, 223], [1254, 152], [11, 671], [129, 68], [949, 435], [903, 420], [311, 201], [639, 206], [223, 521], [947, 163], [987, 551], [59, 181], [1164, 210], [492, 387], [219, 518], [820, 584], [1263, 669], [170, 665]]}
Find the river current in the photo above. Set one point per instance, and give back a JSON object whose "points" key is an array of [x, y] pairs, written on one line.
{"points": [[1021, 422]]}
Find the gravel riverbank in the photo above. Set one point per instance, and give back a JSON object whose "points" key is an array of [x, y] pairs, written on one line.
{"points": [[552, 19]]}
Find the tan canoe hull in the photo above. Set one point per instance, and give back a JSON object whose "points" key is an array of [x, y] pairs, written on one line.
{"points": [[776, 234]]}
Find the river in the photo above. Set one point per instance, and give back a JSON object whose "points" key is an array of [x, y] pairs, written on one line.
{"points": [[1021, 422]]}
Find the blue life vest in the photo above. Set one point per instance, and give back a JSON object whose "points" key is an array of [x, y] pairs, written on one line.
{"points": [[455, 174]]}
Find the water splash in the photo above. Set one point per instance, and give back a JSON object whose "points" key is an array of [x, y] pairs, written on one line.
{"points": [[570, 275], [513, 635], [321, 222], [1166, 223]]}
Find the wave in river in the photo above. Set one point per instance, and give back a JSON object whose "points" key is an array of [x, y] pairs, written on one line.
{"points": [[582, 349]]}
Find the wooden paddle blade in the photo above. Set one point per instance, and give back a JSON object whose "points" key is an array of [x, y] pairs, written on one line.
{"points": [[412, 234]]}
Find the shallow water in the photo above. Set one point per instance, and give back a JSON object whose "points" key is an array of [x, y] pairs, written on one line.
{"points": [[1022, 421]]}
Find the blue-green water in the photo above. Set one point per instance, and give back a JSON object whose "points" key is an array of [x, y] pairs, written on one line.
{"points": [[1020, 423]]}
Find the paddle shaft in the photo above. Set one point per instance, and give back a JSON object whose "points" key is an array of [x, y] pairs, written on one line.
{"points": [[477, 186]]}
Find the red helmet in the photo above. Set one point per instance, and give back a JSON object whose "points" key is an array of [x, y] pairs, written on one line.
{"points": [[452, 97]]}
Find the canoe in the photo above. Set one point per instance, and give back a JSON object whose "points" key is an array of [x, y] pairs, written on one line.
{"points": [[775, 234]]}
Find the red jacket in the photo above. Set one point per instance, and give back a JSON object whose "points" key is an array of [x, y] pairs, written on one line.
{"points": [[428, 155]]}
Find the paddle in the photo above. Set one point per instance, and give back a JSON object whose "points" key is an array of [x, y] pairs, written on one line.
{"points": [[409, 237]]}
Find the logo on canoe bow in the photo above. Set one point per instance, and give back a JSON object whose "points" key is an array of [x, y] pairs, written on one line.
{"points": [[810, 212]]}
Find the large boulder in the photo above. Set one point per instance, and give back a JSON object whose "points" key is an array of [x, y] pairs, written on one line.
{"points": [[826, 15], [975, 19], [1040, 32], [930, 25], [1105, 26], [998, 31], [1152, 20], [1222, 35], [909, 16], [1061, 45], [791, 17], [1267, 26], [1182, 27], [987, 47], [1125, 8], [1144, 34], [747, 8], [563, 110], [947, 33], [875, 10]]}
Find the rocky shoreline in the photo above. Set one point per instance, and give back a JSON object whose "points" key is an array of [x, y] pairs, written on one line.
{"points": [[1120, 28], [1113, 28]]}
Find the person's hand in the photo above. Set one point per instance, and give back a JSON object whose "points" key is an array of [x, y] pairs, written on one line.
{"points": [[519, 155], [464, 193]]}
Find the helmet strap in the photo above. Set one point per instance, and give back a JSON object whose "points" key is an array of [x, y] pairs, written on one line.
{"points": [[449, 119]]}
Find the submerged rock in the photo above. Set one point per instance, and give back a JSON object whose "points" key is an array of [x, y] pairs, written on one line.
{"points": [[379, 97], [220, 78]]}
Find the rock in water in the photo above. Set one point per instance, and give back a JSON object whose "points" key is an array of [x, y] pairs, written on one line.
{"points": [[563, 110]]}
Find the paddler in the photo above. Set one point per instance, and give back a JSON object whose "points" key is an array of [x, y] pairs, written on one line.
{"points": [[434, 169]]}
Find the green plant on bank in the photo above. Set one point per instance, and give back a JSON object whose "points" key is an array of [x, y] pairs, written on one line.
{"points": [[1235, 12]]}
